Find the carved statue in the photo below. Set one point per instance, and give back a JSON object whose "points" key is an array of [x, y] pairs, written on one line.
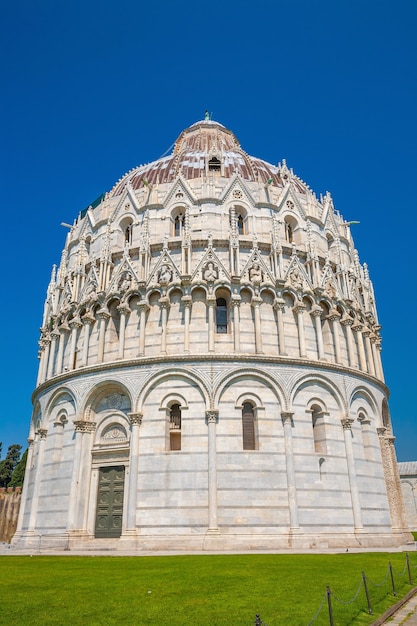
{"points": [[165, 275], [255, 274], [296, 279], [210, 273], [125, 281], [330, 288]]}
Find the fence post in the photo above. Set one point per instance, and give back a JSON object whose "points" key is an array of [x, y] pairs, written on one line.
{"points": [[367, 593], [408, 568], [392, 579], [329, 602]]}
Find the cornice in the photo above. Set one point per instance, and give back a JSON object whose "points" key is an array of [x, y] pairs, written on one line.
{"points": [[253, 359]]}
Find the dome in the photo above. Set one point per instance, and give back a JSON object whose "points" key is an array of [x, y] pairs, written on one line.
{"points": [[210, 372], [204, 147]]}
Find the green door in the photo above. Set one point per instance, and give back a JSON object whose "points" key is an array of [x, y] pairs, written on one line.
{"points": [[110, 502]]}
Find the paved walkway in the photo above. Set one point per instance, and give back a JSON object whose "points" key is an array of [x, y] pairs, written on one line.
{"points": [[406, 614]]}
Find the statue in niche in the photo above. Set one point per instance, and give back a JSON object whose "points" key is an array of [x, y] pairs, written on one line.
{"points": [[91, 290], [125, 281], [210, 273], [330, 288], [296, 279], [255, 273], [165, 275]]}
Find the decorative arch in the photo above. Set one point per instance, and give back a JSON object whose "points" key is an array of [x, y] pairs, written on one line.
{"points": [[172, 373], [263, 377], [107, 396], [319, 379]]}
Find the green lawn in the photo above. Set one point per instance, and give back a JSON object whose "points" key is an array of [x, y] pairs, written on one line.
{"points": [[212, 590]]}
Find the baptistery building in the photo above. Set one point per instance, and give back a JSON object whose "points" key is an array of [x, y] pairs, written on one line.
{"points": [[210, 371]]}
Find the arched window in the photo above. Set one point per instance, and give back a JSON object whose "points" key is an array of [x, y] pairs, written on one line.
{"points": [[179, 225], [175, 427], [214, 165], [221, 315], [248, 426], [319, 431], [239, 224]]}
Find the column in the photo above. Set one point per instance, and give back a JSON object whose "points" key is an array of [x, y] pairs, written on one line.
{"points": [[347, 323], [378, 349], [353, 483], [135, 422], [315, 313], [164, 304], [124, 312], [357, 327], [375, 355], [88, 321], [279, 307], [23, 501], [370, 360], [236, 322], [334, 317], [299, 309], [104, 316], [81, 426], [54, 339], [60, 358], [87, 429], [41, 438], [212, 417], [143, 307], [45, 346], [187, 302], [256, 303], [74, 324], [211, 303], [289, 462], [392, 480]]}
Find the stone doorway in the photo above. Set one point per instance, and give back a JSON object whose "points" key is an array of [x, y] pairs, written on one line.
{"points": [[110, 501]]}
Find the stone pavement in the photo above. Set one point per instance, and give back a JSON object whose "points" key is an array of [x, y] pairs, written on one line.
{"points": [[405, 613]]}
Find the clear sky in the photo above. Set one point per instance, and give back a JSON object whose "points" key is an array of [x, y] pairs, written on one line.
{"points": [[91, 89]]}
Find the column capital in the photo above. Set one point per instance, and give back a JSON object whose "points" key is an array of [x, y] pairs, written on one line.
{"points": [[84, 426], [75, 322], [279, 304], [187, 300], [287, 416], [103, 314], [88, 319], [316, 310], [333, 315], [381, 431], [135, 418], [143, 305], [212, 417], [299, 307], [42, 432], [357, 327], [347, 321], [124, 308], [347, 423]]}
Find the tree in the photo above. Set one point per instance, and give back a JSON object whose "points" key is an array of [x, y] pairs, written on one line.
{"points": [[19, 471], [9, 463]]}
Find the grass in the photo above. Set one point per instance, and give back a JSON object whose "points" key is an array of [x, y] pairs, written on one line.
{"points": [[212, 590]]}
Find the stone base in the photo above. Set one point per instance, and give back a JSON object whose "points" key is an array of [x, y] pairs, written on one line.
{"points": [[211, 542]]}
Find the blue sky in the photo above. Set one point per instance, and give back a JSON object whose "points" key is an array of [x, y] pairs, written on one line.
{"points": [[92, 89]]}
